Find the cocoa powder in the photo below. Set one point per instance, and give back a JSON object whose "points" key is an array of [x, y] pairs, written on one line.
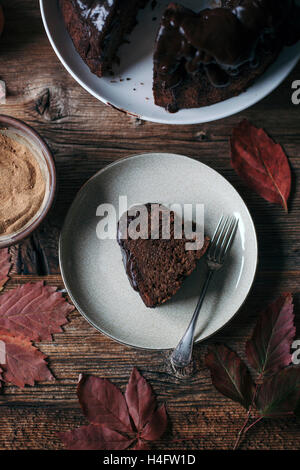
{"points": [[22, 185]]}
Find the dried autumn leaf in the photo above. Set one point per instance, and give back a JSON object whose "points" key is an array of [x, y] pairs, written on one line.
{"points": [[34, 311], [5, 266], [94, 437], [151, 423], [103, 403], [140, 399], [261, 163], [269, 349], [1, 20], [230, 375], [141, 445], [106, 408], [279, 394], [24, 363], [156, 426]]}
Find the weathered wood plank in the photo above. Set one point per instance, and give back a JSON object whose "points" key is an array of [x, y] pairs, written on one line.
{"points": [[84, 136], [37, 427]]}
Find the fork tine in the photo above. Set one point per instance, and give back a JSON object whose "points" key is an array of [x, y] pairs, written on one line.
{"points": [[231, 238], [215, 237], [222, 238], [228, 239], [223, 242], [217, 230], [218, 236]]}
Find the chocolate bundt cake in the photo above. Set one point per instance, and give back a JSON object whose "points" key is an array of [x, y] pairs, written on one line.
{"points": [[156, 265], [200, 58], [98, 28], [206, 57]]}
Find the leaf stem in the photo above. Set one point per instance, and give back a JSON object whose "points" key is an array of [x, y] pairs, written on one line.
{"points": [[243, 429], [253, 424], [239, 436]]}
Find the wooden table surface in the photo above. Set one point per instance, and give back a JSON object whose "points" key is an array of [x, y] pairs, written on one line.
{"points": [[85, 135]]}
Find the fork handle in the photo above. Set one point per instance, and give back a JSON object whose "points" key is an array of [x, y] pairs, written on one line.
{"points": [[182, 354]]}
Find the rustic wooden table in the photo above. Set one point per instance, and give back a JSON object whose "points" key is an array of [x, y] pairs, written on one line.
{"points": [[86, 135]]}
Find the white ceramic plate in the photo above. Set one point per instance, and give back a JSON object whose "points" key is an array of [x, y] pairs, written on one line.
{"points": [[135, 95], [93, 271]]}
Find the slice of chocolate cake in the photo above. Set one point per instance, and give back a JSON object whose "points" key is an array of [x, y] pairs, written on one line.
{"points": [[98, 28], [157, 261], [206, 57]]}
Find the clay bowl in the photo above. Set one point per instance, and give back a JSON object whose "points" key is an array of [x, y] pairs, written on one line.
{"points": [[15, 128]]}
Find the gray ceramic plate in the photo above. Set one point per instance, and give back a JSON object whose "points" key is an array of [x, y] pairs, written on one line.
{"points": [[93, 271]]}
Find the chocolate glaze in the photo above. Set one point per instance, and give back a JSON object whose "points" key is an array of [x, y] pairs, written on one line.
{"points": [[128, 260], [221, 40]]}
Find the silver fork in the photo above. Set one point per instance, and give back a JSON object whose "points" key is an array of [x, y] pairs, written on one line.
{"points": [[216, 256]]}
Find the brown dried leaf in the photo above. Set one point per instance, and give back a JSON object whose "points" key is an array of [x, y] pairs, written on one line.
{"points": [[94, 437], [34, 311], [269, 348], [156, 426], [279, 394], [106, 408], [141, 445], [103, 403], [140, 399], [261, 163], [1, 20], [24, 363], [230, 375]]}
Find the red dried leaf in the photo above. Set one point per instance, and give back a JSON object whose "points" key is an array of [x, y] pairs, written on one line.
{"points": [[140, 399], [103, 403], [269, 349], [141, 445], [106, 408], [157, 425], [1, 20], [230, 375], [5, 266], [279, 395], [34, 311], [261, 163], [24, 363], [94, 437]]}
